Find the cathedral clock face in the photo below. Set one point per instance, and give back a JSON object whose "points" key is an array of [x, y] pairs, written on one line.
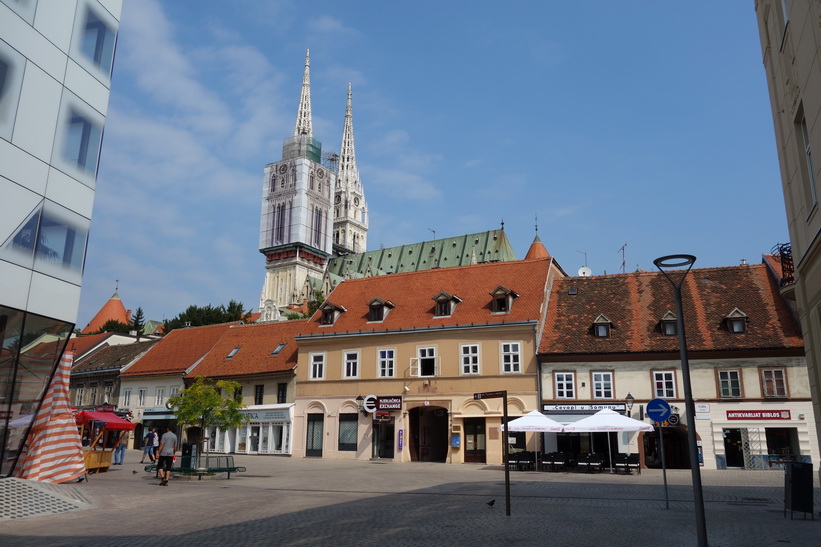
{"points": [[320, 173], [356, 201], [283, 168], [339, 199]]}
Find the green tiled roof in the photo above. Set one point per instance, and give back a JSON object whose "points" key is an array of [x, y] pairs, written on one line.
{"points": [[491, 246]]}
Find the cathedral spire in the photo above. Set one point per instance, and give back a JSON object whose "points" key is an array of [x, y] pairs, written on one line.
{"points": [[303, 116], [348, 173]]}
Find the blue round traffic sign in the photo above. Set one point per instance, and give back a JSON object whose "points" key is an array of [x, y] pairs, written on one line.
{"points": [[658, 410]]}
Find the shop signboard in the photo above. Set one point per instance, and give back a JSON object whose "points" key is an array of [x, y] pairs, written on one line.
{"points": [[758, 415], [584, 408], [389, 403], [268, 415]]}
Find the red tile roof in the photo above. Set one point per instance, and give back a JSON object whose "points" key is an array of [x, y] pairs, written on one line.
{"points": [[256, 345], [635, 303], [112, 357], [180, 349], [112, 309], [412, 296], [537, 250], [81, 344]]}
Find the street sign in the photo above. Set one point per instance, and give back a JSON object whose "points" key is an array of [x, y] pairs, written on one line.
{"points": [[658, 410], [489, 395], [674, 419]]}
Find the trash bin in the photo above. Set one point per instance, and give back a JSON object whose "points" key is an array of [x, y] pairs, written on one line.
{"points": [[798, 488], [189, 455]]}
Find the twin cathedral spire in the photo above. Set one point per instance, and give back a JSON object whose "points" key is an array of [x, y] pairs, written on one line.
{"points": [[313, 208]]}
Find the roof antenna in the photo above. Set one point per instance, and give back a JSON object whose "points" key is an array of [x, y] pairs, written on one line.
{"points": [[585, 256], [434, 232], [622, 250]]}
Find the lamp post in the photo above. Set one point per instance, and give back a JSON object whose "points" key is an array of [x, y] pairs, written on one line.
{"points": [[670, 262], [629, 401]]}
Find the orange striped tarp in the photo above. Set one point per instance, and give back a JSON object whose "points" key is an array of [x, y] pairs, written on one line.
{"points": [[53, 451]]}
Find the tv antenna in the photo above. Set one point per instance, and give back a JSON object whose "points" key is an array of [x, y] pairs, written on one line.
{"points": [[623, 251], [434, 232], [585, 256]]}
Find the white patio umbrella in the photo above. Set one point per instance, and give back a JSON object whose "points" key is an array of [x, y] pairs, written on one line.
{"points": [[533, 421], [607, 420]]}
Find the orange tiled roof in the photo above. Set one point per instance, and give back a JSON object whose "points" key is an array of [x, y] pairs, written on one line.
{"points": [[412, 295], [112, 309], [81, 344], [112, 357], [537, 250], [635, 303], [256, 345], [180, 349]]}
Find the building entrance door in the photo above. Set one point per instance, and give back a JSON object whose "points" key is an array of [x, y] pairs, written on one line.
{"points": [[475, 440], [734, 448], [313, 444], [254, 441], [383, 440], [429, 434]]}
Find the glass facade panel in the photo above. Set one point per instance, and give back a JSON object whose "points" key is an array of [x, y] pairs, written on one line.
{"points": [[31, 347]]}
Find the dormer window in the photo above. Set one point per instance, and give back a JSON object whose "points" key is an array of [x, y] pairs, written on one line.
{"points": [[378, 309], [502, 299], [445, 304], [232, 353], [736, 321], [330, 313], [669, 324], [602, 326]]}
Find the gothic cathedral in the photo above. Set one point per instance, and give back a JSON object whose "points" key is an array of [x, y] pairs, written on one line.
{"points": [[311, 210]]}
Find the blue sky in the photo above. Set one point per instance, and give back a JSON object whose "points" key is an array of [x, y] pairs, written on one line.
{"points": [[645, 123]]}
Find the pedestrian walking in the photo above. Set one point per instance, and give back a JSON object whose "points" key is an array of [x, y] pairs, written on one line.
{"points": [[148, 446], [167, 449], [119, 452]]}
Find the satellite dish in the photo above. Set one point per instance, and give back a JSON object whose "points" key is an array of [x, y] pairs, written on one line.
{"points": [[584, 271]]}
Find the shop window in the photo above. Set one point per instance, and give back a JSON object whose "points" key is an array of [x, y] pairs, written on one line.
{"points": [[348, 431], [565, 385]]}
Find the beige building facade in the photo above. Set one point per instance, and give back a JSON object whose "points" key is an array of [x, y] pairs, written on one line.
{"points": [[790, 32]]}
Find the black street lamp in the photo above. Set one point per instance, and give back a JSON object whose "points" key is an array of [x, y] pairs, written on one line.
{"points": [[629, 401], [679, 261]]}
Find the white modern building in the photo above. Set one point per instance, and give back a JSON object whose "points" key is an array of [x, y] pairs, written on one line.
{"points": [[56, 60]]}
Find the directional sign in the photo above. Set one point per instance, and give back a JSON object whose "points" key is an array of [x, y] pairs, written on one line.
{"points": [[658, 410], [489, 395]]}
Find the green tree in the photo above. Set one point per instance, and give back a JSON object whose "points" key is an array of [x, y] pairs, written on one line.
{"points": [[209, 405], [138, 322], [314, 304], [112, 325], [198, 316]]}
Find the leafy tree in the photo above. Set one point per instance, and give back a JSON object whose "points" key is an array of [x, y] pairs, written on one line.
{"points": [[112, 325], [198, 316], [209, 405], [314, 304], [138, 322]]}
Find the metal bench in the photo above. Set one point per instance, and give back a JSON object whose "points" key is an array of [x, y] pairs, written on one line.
{"points": [[214, 464]]}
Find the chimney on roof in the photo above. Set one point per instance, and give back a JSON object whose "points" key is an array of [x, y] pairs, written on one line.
{"points": [[743, 261]]}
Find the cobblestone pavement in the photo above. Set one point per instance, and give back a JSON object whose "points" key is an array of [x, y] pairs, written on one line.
{"points": [[290, 501]]}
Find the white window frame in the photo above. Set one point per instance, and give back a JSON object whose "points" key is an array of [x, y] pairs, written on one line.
{"points": [[386, 362], [126, 402], [469, 359], [78, 396], [141, 397], [510, 357], [602, 383], [159, 398], [565, 385], [350, 364], [317, 370], [427, 352], [665, 377], [175, 391]]}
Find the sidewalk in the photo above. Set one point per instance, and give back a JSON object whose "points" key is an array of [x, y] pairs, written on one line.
{"points": [[290, 501]]}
